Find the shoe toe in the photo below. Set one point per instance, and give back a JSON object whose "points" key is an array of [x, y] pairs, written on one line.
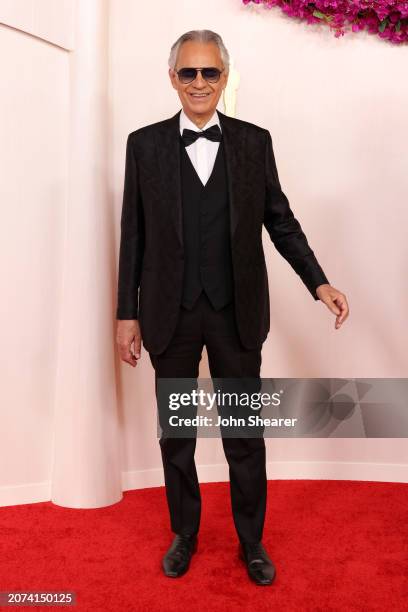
{"points": [[173, 567], [260, 567], [263, 574], [170, 573]]}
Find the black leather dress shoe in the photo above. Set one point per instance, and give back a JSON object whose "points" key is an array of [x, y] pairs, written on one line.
{"points": [[176, 561], [259, 566]]}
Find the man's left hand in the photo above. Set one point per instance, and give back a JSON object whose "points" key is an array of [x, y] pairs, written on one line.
{"points": [[335, 301]]}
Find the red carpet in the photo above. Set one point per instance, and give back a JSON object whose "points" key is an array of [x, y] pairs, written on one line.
{"points": [[337, 545]]}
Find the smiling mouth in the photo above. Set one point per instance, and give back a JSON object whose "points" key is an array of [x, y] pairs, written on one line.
{"points": [[201, 95]]}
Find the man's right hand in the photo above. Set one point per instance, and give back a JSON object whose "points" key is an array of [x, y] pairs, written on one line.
{"points": [[128, 332]]}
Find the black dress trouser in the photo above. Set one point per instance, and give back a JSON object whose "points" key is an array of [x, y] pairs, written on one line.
{"points": [[203, 325]]}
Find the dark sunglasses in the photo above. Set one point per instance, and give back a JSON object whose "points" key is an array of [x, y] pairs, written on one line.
{"points": [[187, 75]]}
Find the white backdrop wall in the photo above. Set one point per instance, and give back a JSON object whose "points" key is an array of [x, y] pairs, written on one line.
{"points": [[337, 129], [336, 112], [34, 149]]}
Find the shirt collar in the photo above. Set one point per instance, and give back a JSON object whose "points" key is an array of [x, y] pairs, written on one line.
{"points": [[185, 122]]}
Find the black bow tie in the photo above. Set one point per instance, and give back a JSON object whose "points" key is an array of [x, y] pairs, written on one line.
{"points": [[212, 133]]}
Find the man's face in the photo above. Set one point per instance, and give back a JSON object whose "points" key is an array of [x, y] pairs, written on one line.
{"points": [[194, 54]]}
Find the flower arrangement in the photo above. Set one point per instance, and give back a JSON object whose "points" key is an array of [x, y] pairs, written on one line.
{"points": [[387, 19]]}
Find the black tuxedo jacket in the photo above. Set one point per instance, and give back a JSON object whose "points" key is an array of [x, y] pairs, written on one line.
{"points": [[151, 244]]}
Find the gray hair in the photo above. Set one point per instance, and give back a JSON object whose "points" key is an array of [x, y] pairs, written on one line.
{"points": [[203, 36]]}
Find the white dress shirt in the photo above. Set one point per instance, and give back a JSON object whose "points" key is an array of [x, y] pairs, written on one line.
{"points": [[202, 152]]}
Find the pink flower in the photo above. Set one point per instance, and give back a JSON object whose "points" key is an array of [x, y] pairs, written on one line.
{"points": [[388, 19]]}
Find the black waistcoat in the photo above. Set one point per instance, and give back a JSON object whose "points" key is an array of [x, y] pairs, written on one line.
{"points": [[206, 233]]}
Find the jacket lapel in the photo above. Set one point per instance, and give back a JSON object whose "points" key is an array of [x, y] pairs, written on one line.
{"points": [[168, 155], [234, 147]]}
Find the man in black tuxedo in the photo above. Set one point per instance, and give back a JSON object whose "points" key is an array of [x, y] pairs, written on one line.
{"points": [[198, 188]]}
